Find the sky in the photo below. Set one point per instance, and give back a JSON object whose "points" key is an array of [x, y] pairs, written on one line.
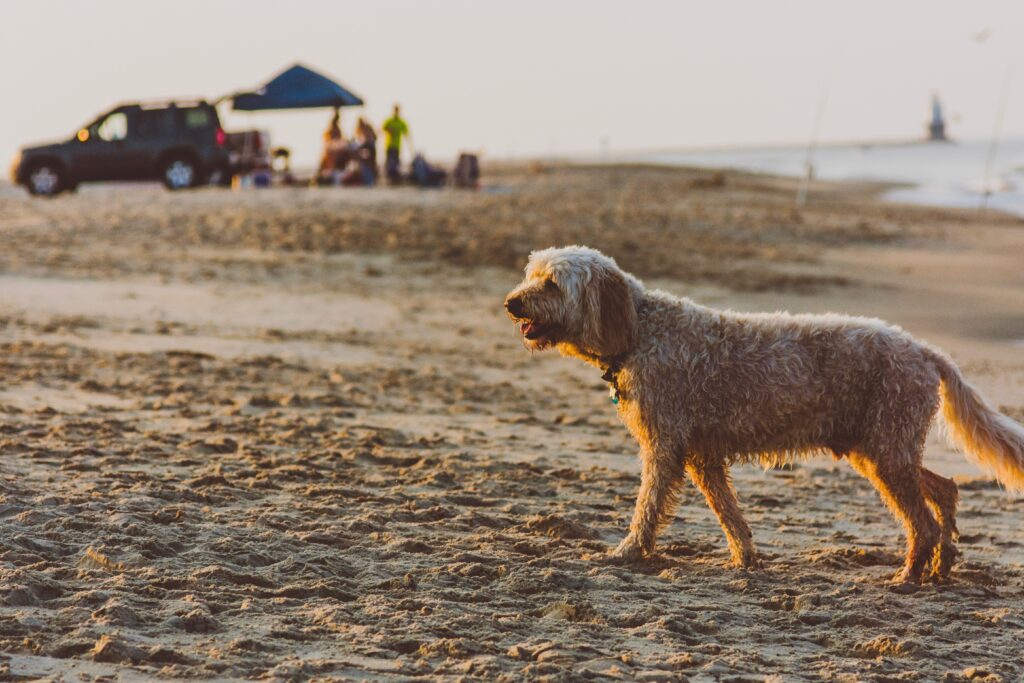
{"points": [[530, 78]]}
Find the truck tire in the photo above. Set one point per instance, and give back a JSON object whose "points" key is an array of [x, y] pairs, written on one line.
{"points": [[46, 179], [180, 172]]}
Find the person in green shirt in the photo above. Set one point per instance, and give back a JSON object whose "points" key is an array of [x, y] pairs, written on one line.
{"points": [[395, 128]]}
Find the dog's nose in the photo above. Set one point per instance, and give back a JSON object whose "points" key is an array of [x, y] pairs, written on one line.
{"points": [[514, 305]]}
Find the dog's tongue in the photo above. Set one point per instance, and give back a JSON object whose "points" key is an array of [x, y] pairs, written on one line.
{"points": [[526, 329]]}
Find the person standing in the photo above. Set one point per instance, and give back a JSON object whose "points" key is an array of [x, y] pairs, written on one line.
{"points": [[333, 132], [395, 128], [334, 143]]}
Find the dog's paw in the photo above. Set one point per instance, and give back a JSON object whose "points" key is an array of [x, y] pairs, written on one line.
{"points": [[945, 555], [628, 551], [905, 581], [750, 561]]}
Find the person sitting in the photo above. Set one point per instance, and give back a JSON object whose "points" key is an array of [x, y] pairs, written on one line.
{"points": [[337, 152], [367, 152], [363, 151], [281, 163]]}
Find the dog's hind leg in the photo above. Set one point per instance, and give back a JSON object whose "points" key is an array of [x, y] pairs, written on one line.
{"points": [[899, 485], [660, 479], [942, 496], [713, 481]]}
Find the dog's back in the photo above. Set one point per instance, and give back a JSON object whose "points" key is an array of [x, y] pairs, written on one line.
{"points": [[777, 385]]}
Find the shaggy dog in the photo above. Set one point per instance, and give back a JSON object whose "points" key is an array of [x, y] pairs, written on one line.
{"points": [[701, 389]]}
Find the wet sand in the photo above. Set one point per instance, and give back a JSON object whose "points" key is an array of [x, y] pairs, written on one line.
{"points": [[289, 435]]}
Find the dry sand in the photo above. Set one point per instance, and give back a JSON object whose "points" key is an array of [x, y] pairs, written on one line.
{"points": [[289, 435]]}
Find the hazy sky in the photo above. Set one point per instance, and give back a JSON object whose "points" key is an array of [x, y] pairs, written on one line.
{"points": [[529, 77]]}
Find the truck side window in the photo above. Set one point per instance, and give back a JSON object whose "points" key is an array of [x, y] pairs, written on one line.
{"points": [[197, 118], [155, 123], [114, 127]]}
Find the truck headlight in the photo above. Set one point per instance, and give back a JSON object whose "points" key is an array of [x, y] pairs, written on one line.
{"points": [[15, 163]]}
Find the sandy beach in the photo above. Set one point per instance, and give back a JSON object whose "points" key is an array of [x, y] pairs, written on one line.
{"points": [[290, 435]]}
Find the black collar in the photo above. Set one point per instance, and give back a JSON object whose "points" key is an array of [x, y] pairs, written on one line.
{"points": [[612, 367]]}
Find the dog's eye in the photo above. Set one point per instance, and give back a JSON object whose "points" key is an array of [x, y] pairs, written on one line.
{"points": [[550, 284]]}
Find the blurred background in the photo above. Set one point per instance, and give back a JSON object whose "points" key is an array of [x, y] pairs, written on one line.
{"points": [[534, 78]]}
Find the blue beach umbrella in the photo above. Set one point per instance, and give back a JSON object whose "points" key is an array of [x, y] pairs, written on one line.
{"points": [[296, 88]]}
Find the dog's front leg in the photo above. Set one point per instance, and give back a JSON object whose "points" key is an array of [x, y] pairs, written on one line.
{"points": [[656, 501]]}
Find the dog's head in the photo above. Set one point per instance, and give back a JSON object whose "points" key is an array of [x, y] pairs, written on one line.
{"points": [[574, 295]]}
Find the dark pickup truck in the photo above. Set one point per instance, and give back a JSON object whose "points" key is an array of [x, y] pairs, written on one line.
{"points": [[179, 143]]}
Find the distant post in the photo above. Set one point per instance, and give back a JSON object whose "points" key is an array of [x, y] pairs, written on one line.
{"points": [[812, 147], [993, 146]]}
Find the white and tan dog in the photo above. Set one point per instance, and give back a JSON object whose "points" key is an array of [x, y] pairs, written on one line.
{"points": [[701, 389]]}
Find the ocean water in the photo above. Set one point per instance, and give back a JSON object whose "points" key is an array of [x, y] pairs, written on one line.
{"points": [[938, 174]]}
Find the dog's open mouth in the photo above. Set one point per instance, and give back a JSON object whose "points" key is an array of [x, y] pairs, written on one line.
{"points": [[531, 330], [535, 335]]}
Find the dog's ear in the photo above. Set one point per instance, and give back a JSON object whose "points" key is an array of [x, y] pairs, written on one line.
{"points": [[616, 312]]}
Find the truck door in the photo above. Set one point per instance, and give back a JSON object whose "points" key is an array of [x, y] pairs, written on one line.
{"points": [[109, 151], [156, 131]]}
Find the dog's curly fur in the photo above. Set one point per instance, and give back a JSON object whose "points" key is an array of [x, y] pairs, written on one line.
{"points": [[701, 389]]}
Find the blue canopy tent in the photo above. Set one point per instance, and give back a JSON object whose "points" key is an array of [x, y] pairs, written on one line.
{"points": [[296, 88]]}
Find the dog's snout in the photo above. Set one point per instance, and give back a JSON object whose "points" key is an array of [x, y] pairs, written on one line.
{"points": [[514, 305]]}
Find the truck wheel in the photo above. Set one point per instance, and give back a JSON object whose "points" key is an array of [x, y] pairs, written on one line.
{"points": [[45, 179], [179, 173]]}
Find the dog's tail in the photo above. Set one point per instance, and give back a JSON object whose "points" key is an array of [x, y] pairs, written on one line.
{"points": [[990, 439]]}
